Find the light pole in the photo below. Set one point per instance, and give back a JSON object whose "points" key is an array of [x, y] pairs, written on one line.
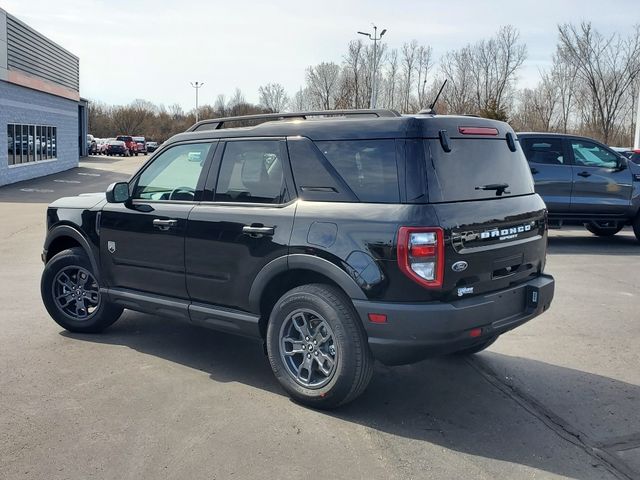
{"points": [[197, 86], [375, 38], [636, 140]]}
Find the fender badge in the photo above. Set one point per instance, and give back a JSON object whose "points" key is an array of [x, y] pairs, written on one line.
{"points": [[460, 266], [111, 246]]}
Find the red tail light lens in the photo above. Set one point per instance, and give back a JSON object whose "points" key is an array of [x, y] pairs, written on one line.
{"points": [[421, 254]]}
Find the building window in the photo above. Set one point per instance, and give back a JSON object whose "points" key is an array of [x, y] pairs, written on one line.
{"points": [[30, 143]]}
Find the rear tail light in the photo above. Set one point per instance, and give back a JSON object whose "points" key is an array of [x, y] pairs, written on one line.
{"points": [[421, 254]]}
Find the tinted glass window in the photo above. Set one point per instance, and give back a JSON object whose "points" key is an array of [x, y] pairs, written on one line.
{"points": [[367, 166], [314, 177], [543, 150], [252, 171], [174, 174], [475, 165], [588, 154], [30, 143]]}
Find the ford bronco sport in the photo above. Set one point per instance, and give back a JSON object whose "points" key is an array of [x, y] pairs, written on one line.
{"points": [[335, 237]]}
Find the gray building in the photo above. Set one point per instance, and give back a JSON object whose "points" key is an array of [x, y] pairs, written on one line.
{"points": [[43, 120]]}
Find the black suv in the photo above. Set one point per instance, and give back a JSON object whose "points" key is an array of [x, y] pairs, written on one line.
{"points": [[584, 182], [335, 237]]}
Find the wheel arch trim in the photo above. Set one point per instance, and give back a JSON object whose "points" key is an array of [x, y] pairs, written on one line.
{"points": [[71, 232], [302, 262]]}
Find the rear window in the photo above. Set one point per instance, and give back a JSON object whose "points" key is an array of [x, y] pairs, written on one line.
{"points": [[124, 139], [367, 166], [473, 167]]}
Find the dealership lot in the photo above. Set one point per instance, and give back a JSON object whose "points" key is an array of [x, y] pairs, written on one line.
{"points": [[154, 398]]}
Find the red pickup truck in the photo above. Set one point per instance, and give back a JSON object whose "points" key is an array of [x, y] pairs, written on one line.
{"points": [[132, 146]]}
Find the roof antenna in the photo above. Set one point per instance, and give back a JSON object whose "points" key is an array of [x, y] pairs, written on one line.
{"points": [[431, 109]]}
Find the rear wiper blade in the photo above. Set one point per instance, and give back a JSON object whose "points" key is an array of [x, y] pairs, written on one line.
{"points": [[500, 188]]}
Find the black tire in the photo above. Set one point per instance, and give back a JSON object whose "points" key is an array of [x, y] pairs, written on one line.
{"points": [[98, 316], [604, 230], [476, 348], [353, 366], [636, 226]]}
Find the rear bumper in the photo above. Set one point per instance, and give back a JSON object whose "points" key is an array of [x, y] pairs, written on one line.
{"points": [[417, 331]]}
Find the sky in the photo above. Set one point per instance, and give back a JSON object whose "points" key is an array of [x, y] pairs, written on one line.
{"points": [[153, 49]]}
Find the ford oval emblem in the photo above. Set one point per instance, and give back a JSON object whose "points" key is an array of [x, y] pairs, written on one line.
{"points": [[460, 266]]}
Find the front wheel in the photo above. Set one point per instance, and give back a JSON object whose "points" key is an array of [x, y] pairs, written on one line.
{"points": [[636, 226], [317, 347], [71, 294], [604, 229]]}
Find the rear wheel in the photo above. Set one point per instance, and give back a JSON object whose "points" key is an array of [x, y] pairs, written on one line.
{"points": [[71, 294], [317, 348], [604, 229]]}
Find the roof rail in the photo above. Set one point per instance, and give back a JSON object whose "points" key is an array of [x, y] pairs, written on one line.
{"points": [[218, 123]]}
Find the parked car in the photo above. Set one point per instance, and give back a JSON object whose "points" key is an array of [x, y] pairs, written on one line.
{"points": [[101, 146], [393, 254], [142, 144], [132, 146], [91, 145], [631, 153], [584, 182], [117, 147], [152, 147]]}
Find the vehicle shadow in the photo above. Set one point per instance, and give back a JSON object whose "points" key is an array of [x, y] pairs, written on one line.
{"points": [[580, 242], [443, 402]]}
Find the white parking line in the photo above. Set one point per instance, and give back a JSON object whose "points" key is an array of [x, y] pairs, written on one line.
{"points": [[89, 174], [68, 181], [36, 190]]}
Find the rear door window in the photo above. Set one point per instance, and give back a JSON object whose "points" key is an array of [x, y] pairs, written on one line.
{"points": [[474, 167], [252, 171], [544, 150], [368, 167]]}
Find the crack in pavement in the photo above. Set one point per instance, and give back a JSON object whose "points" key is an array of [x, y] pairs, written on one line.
{"points": [[560, 426]]}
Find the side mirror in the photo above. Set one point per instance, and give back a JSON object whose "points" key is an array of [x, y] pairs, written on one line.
{"points": [[118, 192], [622, 162]]}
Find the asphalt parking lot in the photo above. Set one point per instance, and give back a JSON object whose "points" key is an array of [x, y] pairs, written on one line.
{"points": [[153, 398]]}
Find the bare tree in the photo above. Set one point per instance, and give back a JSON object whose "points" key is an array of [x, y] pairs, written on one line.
{"points": [[424, 66], [608, 66], [563, 77], [458, 94], [494, 64], [221, 104], [391, 80], [237, 98], [409, 60], [301, 100], [353, 62], [323, 82], [273, 97]]}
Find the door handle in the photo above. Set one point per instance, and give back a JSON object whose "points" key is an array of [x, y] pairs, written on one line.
{"points": [[534, 170], [258, 231], [164, 225], [584, 174]]}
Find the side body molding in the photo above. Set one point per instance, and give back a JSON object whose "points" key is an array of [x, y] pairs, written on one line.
{"points": [[302, 262]]}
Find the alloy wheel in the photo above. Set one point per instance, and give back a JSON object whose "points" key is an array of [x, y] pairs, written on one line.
{"points": [[308, 349]]}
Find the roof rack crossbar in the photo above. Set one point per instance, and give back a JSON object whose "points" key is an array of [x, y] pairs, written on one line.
{"points": [[218, 123]]}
